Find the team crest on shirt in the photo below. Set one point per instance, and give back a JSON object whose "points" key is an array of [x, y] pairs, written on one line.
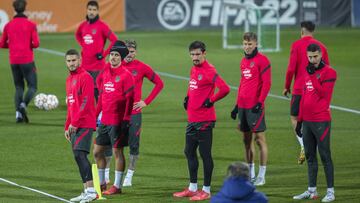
{"points": [[74, 82], [252, 64], [318, 76], [200, 77], [134, 72], [93, 31], [117, 78]]}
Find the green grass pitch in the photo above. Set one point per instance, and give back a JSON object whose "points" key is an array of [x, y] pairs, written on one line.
{"points": [[38, 156]]}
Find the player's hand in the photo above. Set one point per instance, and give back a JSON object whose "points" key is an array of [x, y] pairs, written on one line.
{"points": [[286, 92], [207, 103], [139, 105], [99, 56], [67, 136], [98, 120], [125, 125], [234, 112], [298, 129], [185, 103], [72, 129], [256, 108], [310, 68]]}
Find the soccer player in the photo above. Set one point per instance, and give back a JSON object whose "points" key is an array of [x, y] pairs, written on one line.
{"points": [[199, 104], [91, 36], [139, 70], [254, 87], [297, 70], [315, 116], [115, 102], [80, 120], [20, 37]]}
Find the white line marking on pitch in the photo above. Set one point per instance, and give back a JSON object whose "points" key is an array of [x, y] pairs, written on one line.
{"points": [[34, 190], [58, 53]]}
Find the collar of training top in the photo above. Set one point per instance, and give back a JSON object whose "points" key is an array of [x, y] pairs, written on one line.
{"points": [[91, 21], [20, 15], [252, 55]]}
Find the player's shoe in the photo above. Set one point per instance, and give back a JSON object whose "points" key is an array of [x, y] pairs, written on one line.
{"points": [[329, 197], [127, 182], [112, 191], [252, 180], [307, 195], [260, 181], [301, 158], [185, 193], [78, 198], [200, 196], [89, 197], [24, 114], [19, 120]]}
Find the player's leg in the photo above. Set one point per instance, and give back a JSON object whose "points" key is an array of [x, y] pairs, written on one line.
{"points": [[108, 155], [19, 90], [29, 72], [102, 142], [294, 112]]}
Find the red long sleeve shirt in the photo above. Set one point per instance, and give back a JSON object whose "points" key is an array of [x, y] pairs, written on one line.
{"points": [[298, 61], [318, 89], [139, 71], [20, 36], [80, 100], [92, 38], [255, 81], [116, 86], [203, 80]]}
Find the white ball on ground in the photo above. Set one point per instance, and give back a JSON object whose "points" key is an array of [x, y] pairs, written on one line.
{"points": [[39, 100], [52, 102]]}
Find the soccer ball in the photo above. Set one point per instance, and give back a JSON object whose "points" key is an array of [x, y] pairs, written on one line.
{"points": [[51, 103], [40, 100]]}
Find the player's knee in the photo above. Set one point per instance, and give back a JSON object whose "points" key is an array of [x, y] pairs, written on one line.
{"points": [[134, 151], [189, 154]]}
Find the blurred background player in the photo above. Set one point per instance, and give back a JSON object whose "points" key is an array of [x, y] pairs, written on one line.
{"points": [[237, 187], [116, 100], [199, 104], [139, 71], [80, 120], [254, 87], [316, 121], [20, 37], [297, 69]]}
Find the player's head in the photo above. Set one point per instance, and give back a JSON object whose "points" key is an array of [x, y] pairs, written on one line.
{"points": [[118, 52], [249, 42], [239, 169], [92, 9], [72, 59], [19, 6], [197, 51], [307, 28], [131, 45], [314, 54]]}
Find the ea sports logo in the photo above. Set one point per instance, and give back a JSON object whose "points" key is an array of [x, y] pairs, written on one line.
{"points": [[173, 14], [4, 18]]}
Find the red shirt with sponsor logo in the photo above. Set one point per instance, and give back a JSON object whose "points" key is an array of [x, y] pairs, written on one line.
{"points": [[80, 100], [298, 61], [139, 71], [318, 89], [255, 81], [92, 38], [116, 98], [203, 80], [21, 37]]}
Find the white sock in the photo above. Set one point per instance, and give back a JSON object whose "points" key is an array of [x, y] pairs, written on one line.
{"points": [[118, 178], [18, 114], [101, 176], [301, 142], [206, 189], [331, 190], [193, 187], [23, 105], [90, 190], [107, 175], [312, 189], [130, 173], [252, 170], [262, 171]]}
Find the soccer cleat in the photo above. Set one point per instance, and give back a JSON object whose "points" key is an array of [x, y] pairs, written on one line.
{"points": [[112, 191], [89, 197], [329, 197], [307, 195], [127, 182], [78, 198], [202, 195], [185, 193], [24, 114], [301, 158], [19, 120], [260, 181]]}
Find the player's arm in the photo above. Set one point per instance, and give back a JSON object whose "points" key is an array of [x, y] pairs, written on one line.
{"points": [[158, 85], [35, 38], [4, 39], [128, 90], [110, 35], [99, 84], [265, 75], [325, 56], [78, 35], [293, 60], [325, 87], [223, 88]]}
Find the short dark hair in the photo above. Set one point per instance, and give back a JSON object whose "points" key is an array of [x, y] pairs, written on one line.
{"points": [[197, 45], [93, 3], [239, 169], [130, 43], [308, 25], [72, 52], [249, 36], [313, 48], [19, 6]]}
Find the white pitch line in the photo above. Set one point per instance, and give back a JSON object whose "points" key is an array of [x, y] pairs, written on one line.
{"points": [[58, 53], [34, 190]]}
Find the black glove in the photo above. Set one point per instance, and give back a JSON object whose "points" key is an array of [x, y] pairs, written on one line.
{"points": [[298, 129], [310, 68], [207, 103], [234, 112], [99, 56], [125, 125], [256, 108], [185, 103]]}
